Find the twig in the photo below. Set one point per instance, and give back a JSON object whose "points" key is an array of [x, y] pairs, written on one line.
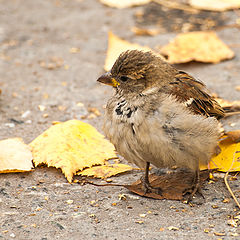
{"points": [[231, 114], [230, 190], [226, 182], [102, 185]]}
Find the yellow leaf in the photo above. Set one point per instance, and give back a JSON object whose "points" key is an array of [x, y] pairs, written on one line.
{"points": [[197, 46], [124, 3], [116, 46], [215, 5], [229, 158], [15, 156], [71, 146], [106, 171]]}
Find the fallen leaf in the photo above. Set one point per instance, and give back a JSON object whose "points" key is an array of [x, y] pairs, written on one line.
{"points": [[232, 223], [145, 32], [15, 156], [140, 222], [228, 106], [229, 158], [71, 146], [106, 171], [234, 136], [197, 46], [122, 197], [69, 201], [173, 228], [219, 234], [215, 5], [172, 183], [74, 50], [42, 108], [226, 200], [116, 46], [234, 234], [124, 3]]}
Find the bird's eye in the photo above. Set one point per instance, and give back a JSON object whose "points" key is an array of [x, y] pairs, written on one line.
{"points": [[123, 78]]}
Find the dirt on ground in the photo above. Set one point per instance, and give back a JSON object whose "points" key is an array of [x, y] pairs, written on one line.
{"points": [[51, 53]]}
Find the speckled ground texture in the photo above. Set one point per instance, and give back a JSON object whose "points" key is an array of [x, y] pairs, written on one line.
{"points": [[36, 205]]}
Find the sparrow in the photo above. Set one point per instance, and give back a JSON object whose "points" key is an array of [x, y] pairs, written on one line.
{"points": [[160, 115]]}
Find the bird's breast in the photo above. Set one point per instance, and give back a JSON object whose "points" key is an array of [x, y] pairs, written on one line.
{"points": [[120, 123]]}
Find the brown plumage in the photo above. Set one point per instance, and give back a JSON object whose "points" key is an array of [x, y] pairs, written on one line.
{"points": [[159, 115]]}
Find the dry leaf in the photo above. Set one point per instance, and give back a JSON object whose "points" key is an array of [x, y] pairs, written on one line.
{"points": [[145, 31], [219, 234], [229, 106], [74, 50], [116, 46], [106, 171], [124, 3], [234, 136], [215, 5], [229, 158], [15, 156], [172, 183], [197, 46], [71, 146]]}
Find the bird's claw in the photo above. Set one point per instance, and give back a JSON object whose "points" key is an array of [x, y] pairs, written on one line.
{"points": [[191, 192], [147, 188]]}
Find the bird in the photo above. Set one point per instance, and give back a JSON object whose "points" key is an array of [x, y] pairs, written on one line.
{"points": [[160, 115]]}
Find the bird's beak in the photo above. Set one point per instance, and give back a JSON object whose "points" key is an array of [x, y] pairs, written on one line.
{"points": [[107, 79]]}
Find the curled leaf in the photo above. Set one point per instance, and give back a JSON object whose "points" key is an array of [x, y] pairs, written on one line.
{"points": [[172, 183]]}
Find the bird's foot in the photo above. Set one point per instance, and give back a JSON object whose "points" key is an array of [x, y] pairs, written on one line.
{"points": [[190, 192], [147, 188]]}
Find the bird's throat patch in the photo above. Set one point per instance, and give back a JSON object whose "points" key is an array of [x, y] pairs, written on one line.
{"points": [[123, 110]]}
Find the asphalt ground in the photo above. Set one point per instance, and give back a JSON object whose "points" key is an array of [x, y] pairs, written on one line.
{"points": [[38, 68]]}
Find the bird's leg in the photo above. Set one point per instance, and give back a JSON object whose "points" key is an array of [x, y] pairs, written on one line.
{"points": [[145, 179], [196, 187], [146, 184]]}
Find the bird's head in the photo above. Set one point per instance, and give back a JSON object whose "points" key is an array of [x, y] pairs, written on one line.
{"points": [[136, 71]]}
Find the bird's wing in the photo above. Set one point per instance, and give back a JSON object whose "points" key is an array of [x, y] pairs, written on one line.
{"points": [[193, 94]]}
